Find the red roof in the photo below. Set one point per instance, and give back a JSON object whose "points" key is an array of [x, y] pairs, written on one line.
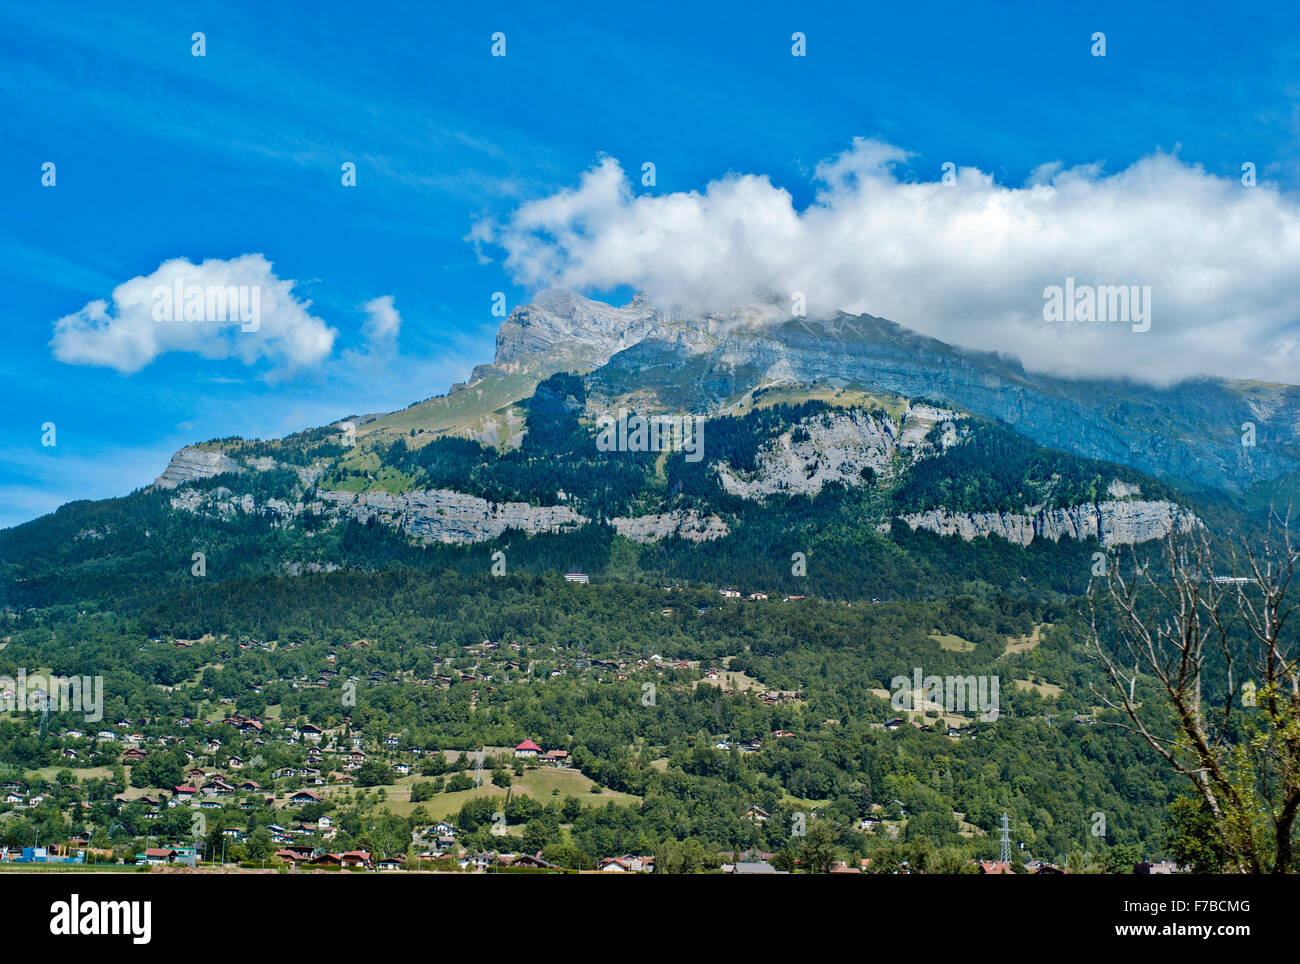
{"points": [[529, 745], [186, 790]]}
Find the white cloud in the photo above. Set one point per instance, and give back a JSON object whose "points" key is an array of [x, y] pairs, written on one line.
{"points": [[966, 262], [126, 335], [383, 323]]}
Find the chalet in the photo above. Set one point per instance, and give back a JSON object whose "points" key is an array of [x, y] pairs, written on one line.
{"points": [[183, 794], [402, 769], [627, 864], [132, 756], [158, 855], [994, 866], [757, 814], [355, 858], [527, 750], [555, 757], [312, 733], [217, 788], [328, 860], [304, 797]]}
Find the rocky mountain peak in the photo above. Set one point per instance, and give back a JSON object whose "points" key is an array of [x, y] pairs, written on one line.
{"points": [[561, 320]]}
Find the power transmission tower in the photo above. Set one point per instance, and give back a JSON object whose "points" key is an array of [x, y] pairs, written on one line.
{"points": [[1005, 855]]}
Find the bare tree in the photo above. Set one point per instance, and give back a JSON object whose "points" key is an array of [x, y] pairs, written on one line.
{"points": [[1163, 623]]}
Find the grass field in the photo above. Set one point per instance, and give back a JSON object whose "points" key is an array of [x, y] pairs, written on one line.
{"points": [[541, 783], [1023, 644], [954, 644]]}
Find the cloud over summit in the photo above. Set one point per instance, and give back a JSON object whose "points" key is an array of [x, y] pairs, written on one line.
{"points": [[966, 261]]}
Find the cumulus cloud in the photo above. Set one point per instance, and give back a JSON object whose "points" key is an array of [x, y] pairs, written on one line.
{"points": [[967, 261], [217, 309]]}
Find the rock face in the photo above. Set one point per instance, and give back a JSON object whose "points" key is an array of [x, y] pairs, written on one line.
{"points": [[562, 319], [842, 447], [1112, 523], [689, 525], [441, 515], [190, 464]]}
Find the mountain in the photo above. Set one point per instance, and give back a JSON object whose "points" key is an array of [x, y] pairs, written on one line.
{"points": [[1190, 433], [850, 435]]}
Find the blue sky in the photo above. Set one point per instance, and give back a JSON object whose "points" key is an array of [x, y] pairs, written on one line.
{"points": [[163, 155]]}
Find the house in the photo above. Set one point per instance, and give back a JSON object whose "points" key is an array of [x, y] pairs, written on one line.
{"points": [[757, 814], [304, 797], [311, 732], [527, 750], [355, 858], [388, 863], [754, 867], [158, 855], [627, 864], [555, 757], [995, 866], [576, 577], [184, 794]]}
